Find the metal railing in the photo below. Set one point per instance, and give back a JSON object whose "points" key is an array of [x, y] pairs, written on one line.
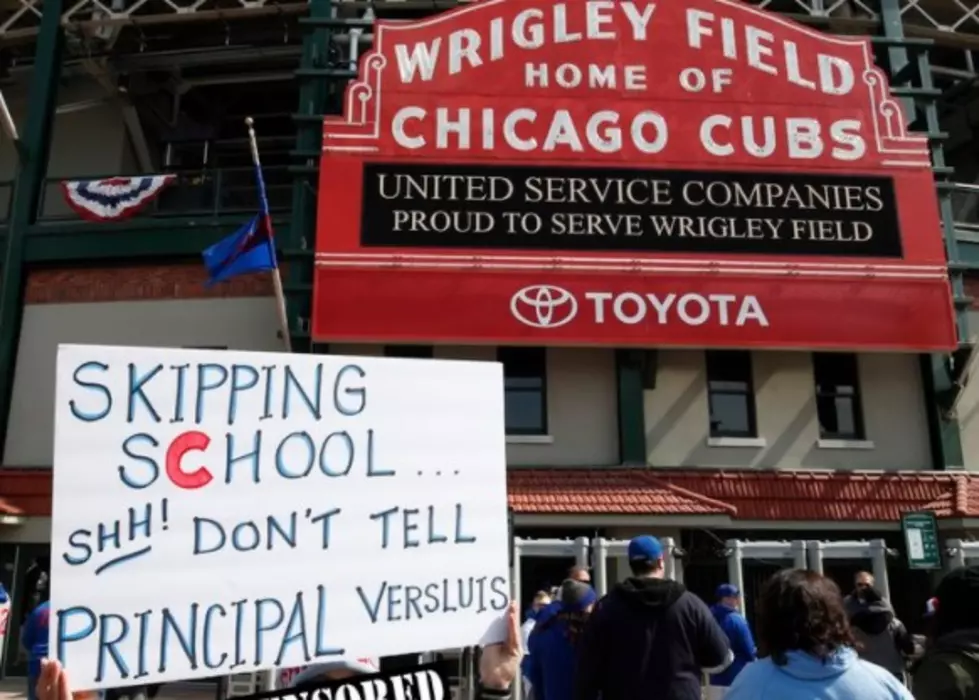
{"points": [[965, 210], [210, 192]]}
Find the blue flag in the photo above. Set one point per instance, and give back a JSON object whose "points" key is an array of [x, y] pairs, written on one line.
{"points": [[249, 249], [252, 247]]}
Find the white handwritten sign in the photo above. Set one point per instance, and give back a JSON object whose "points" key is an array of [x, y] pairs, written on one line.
{"points": [[225, 512]]}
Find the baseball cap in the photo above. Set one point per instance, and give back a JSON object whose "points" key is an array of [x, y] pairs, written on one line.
{"points": [[576, 595], [645, 548], [313, 672], [727, 590]]}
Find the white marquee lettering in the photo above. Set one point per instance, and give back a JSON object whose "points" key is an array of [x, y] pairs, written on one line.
{"points": [[530, 29], [658, 124], [562, 133], [527, 35], [464, 44], [766, 53], [711, 144], [422, 60], [444, 126], [690, 309], [510, 130], [608, 140], [398, 127]]}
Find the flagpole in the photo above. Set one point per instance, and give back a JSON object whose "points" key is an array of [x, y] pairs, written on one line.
{"points": [[7, 122], [280, 295]]}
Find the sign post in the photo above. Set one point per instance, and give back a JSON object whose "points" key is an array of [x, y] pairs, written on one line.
{"points": [[921, 539]]}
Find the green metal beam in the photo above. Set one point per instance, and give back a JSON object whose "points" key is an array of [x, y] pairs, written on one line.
{"points": [[27, 195], [301, 243], [969, 254], [942, 387], [629, 371], [912, 69], [135, 240], [944, 437]]}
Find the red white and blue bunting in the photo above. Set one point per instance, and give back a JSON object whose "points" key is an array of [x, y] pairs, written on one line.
{"points": [[114, 198]]}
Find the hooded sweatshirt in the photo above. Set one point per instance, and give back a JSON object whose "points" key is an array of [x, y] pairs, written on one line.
{"points": [[742, 643], [949, 669], [648, 638], [841, 676], [881, 638], [549, 665], [34, 638]]}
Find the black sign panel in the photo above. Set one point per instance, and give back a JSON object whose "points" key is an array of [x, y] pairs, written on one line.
{"points": [[608, 210]]}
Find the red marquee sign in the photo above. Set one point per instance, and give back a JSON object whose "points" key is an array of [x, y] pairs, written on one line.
{"points": [[626, 173]]}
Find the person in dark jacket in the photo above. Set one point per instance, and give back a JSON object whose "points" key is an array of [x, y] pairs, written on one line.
{"points": [[649, 637], [881, 638], [949, 669], [738, 634], [550, 661]]}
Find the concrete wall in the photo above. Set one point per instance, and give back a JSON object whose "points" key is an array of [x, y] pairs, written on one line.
{"points": [[242, 324], [581, 392], [893, 408], [968, 410], [87, 142], [582, 411]]}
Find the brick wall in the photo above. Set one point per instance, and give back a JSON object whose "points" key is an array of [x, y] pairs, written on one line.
{"points": [[143, 282]]}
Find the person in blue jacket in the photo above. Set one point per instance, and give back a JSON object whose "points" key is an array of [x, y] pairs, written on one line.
{"points": [[34, 639], [807, 647], [725, 611], [550, 663]]}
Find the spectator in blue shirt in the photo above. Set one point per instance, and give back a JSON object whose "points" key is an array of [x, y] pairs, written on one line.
{"points": [[736, 628], [34, 639]]}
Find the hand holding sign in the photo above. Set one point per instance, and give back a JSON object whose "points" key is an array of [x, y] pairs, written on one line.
{"points": [[53, 683], [500, 662]]}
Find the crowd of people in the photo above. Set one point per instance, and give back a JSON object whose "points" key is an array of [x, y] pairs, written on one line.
{"points": [[651, 638]]}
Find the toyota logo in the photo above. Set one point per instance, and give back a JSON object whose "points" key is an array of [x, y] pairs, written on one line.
{"points": [[544, 306]]}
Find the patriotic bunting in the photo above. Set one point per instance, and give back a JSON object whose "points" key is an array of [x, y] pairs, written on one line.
{"points": [[114, 198]]}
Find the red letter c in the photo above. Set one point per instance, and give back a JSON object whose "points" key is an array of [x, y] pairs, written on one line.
{"points": [[181, 445]]}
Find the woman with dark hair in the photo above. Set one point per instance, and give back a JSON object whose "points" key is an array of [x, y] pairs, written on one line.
{"points": [[550, 660], [807, 648]]}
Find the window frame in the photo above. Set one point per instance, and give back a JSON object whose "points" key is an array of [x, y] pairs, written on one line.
{"points": [[749, 394], [501, 353], [856, 398]]}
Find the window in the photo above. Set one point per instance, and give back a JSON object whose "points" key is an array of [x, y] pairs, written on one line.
{"points": [[838, 396], [421, 352], [731, 394], [525, 390]]}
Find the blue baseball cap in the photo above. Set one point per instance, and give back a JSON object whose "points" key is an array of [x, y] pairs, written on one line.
{"points": [[645, 548], [576, 596], [727, 590]]}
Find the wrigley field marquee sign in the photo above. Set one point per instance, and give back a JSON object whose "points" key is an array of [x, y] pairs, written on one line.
{"points": [[626, 173]]}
